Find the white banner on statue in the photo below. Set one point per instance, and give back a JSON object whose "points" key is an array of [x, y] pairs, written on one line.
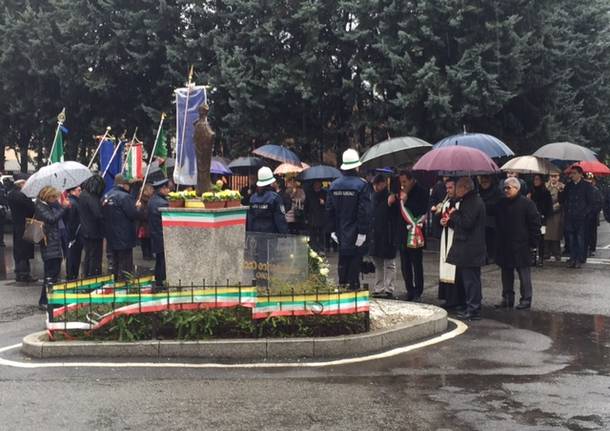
{"points": [[185, 169]]}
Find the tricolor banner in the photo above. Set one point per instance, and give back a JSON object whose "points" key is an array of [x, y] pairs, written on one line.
{"points": [[133, 165]]}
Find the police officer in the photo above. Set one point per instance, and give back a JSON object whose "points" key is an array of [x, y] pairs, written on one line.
{"points": [[348, 208], [157, 201], [266, 213], [120, 214]]}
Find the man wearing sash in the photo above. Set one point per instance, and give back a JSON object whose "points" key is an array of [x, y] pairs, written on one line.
{"points": [[412, 202], [448, 289]]}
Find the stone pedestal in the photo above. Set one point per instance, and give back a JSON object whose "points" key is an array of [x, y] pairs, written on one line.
{"points": [[204, 245]]}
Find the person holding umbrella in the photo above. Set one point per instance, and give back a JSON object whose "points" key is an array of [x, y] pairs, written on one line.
{"points": [[593, 219], [315, 214], [348, 211]]}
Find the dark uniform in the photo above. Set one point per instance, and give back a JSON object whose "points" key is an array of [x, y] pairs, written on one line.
{"points": [[156, 235], [21, 207], [120, 214], [348, 210], [266, 213], [75, 242]]}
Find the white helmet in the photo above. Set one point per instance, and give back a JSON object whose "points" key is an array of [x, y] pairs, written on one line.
{"points": [[351, 160], [265, 177]]}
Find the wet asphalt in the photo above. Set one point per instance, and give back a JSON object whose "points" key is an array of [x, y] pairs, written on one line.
{"points": [[543, 369]]}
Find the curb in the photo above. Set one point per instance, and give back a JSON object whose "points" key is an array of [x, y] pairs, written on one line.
{"points": [[37, 346]]}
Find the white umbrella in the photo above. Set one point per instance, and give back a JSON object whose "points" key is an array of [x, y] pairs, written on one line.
{"points": [[530, 165], [62, 176], [289, 168]]}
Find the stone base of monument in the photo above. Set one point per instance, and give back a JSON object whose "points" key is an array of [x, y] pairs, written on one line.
{"points": [[204, 246]]}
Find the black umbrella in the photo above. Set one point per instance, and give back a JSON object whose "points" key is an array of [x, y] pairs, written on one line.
{"points": [[245, 165], [319, 173]]}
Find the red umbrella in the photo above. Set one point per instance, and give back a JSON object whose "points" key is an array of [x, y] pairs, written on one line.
{"points": [[595, 167], [457, 160]]}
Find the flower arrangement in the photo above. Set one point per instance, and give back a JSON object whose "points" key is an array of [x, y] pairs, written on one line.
{"points": [[210, 197], [229, 195], [318, 265], [175, 196]]}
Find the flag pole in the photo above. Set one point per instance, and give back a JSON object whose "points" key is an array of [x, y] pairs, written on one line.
{"points": [[152, 154], [61, 117], [186, 109], [99, 146], [129, 149]]}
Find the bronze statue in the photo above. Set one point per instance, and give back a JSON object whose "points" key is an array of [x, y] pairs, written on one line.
{"points": [[204, 141]]}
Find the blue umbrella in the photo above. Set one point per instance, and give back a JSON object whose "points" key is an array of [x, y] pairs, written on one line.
{"points": [[319, 173], [278, 153], [490, 145], [218, 168]]}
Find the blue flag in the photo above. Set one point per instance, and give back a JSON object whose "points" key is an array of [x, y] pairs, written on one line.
{"points": [[112, 165], [185, 168]]}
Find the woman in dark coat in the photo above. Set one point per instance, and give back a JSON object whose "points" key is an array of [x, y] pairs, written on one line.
{"points": [[518, 230], [541, 196], [315, 213], [381, 247], [51, 247]]}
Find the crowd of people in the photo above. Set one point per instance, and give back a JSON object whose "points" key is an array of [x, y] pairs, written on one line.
{"points": [[79, 220], [479, 221]]}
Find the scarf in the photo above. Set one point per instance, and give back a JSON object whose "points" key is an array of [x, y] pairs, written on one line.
{"points": [[415, 227]]}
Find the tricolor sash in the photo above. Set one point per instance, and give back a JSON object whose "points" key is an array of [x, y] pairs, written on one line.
{"points": [[415, 227]]}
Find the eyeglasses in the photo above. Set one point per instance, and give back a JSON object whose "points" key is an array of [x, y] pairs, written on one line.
{"points": [[507, 188]]}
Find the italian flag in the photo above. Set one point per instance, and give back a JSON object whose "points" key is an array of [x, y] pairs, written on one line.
{"points": [[133, 167]]}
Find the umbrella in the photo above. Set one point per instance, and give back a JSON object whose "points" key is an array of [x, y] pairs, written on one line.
{"points": [[62, 176], [319, 173], [219, 168], [246, 165], [394, 152], [595, 167], [490, 145], [287, 168], [457, 160], [565, 151], [278, 153], [530, 165]]}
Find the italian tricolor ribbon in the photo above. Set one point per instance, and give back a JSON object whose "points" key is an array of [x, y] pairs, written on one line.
{"points": [[415, 227]]}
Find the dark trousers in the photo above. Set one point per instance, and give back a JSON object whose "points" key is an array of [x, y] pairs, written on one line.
{"points": [[470, 279], [73, 260], [52, 267], [349, 271], [2, 223], [576, 239], [94, 249], [525, 284], [145, 246], [160, 275], [591, 234], [316, 238], [411, 264], [22, 269], [122, 263]]}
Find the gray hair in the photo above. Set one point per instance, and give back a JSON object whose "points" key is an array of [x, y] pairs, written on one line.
{"points": [[465, 182], [513, 182]]}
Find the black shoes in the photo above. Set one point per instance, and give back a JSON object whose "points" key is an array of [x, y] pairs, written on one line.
{"points": [[524, 305], [382, 295], [505, 304], [469, 316], [26, 279]]}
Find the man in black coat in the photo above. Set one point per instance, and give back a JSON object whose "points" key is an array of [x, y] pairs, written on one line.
{"points": [[120, 214], [3, 211], [518, 224], [491, 195], [21, 207], [468, 251], [73, 227], [315, 214], [158, 200], [382, 248], [92, 225], [577, 200], [411, 206]]}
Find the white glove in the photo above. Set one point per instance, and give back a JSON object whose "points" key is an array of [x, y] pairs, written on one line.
{"points": [[360, 240], [334, 237]]}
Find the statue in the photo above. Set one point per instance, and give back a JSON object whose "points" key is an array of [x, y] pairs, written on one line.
{"points": [[204, 141]]}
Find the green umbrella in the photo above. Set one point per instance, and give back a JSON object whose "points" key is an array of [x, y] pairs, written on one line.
{"points": [[395, 152]]}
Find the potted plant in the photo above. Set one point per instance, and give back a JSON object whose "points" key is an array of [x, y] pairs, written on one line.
{"points": [[176, 200], [211, 200], [191, 200], [231, 197]]}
